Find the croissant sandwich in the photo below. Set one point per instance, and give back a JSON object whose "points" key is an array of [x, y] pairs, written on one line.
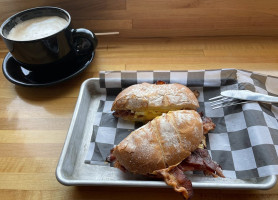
{"points": [[144, 102], [166, 147]]}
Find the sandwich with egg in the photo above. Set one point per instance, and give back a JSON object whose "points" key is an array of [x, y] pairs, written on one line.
{"points": [[143, 102], [166, 147]]}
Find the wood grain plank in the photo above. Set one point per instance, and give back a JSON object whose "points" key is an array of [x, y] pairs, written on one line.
{"points": [[180, 4], [30, 150], [44, 106], [28, 165], [136, 193], [14, 6], [199, 32], [29, 181], [242, 52], [193, 43], [104, 25], [202, 22], [149, 54], [42, 94], [35, 123], [189, 60], [32, 136], [148, 13], [162, 18]]}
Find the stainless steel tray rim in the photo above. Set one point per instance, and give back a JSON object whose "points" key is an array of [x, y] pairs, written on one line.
{"points": [[161, 184]]}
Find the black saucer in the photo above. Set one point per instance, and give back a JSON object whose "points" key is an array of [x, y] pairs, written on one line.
{"points": [[18, 75]]}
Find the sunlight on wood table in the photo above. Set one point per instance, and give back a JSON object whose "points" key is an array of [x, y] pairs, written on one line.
{"points": [[34, 121]]}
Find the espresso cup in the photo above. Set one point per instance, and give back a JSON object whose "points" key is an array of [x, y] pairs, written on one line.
{"points": [[40, 48]]}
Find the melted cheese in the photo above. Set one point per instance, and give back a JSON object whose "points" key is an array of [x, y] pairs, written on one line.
{"points": [[147, 115]]}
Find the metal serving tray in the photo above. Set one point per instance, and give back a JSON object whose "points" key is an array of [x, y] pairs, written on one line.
{"points": [[72, 170]]}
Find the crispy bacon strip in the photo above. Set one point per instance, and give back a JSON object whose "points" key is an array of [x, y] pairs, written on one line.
{"points": [[122, 113], [111, 158], [160, 82], [208, 124], [200, 160], [177, 179], [196, 93]]}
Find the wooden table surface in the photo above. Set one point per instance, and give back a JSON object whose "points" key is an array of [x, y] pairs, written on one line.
{"points": [[34, 121]]}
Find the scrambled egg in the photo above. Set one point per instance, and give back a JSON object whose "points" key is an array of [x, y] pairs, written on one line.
{"points": [[147, 115]]}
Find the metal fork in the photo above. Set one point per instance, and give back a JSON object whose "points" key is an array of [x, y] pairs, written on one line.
{"points": [[235, 97]]}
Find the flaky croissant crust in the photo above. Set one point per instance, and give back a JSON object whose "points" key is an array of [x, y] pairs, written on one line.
{"points": [[165, 141], [165, 97]]}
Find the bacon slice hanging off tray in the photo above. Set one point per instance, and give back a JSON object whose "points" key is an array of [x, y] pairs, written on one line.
{"points": [[176, 178], [199, 160]]}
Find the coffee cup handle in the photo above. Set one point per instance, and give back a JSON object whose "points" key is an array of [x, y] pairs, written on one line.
{"points": [[84, 41]]}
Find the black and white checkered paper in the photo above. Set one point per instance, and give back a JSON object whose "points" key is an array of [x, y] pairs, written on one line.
{"points": [[245, 140]]}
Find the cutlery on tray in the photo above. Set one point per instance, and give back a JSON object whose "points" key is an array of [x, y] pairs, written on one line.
{"points": [[234, 97]]}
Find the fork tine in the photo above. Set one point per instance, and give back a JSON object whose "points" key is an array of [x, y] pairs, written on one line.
{"points": [[230, 104], [222, 100], [218, 97]]}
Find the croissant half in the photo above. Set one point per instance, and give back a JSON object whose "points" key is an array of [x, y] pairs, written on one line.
{"points": [[162, 142], [166, 147], [144, 102]]}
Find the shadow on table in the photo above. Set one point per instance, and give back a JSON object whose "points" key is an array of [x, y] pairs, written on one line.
{"points": [[61, 96]]}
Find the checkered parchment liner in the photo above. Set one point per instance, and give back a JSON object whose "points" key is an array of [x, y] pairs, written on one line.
{"points": [[245, 140]]}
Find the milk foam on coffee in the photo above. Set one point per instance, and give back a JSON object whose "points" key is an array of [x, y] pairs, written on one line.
{"points": [[37, 28]]}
